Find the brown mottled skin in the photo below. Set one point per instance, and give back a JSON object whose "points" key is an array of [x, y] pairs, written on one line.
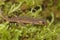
{"points": [[25, 20]]}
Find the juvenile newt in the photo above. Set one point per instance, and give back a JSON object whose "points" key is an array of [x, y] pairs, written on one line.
{"points": [[24, 20]]}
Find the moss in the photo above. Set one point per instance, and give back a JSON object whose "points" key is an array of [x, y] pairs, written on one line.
{"points": [[33, 8]]}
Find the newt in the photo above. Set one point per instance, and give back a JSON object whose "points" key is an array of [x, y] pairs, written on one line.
{"points": [[24, 20]]}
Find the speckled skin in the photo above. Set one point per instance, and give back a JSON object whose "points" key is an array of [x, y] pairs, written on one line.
{"points": [[25, 20]]}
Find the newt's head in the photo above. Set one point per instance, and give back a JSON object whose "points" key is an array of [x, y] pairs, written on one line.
{"points": [[43, 22]]}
